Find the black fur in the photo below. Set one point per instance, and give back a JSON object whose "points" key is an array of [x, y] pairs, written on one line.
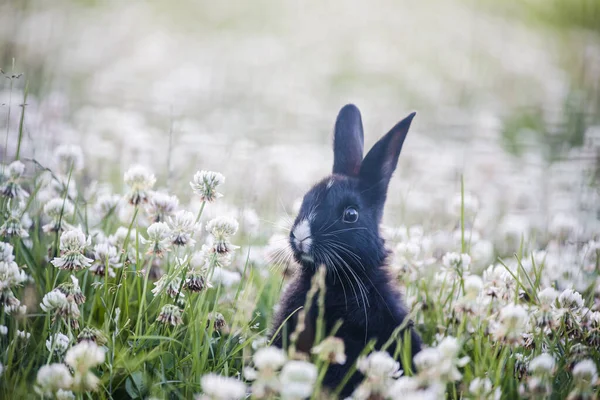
{"points": [[359, 291]]}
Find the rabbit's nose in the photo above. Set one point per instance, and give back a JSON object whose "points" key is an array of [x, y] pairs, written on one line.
{"points": [[301, 236]]}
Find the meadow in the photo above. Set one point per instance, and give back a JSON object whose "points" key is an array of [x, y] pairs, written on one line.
{"points": [[150, 173]]}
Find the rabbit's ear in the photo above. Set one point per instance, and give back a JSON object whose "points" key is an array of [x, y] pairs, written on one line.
{"points": [[380, 162], [348, 141]]}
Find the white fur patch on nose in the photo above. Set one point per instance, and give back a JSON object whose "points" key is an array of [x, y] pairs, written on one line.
{"points": [[302, 235]]}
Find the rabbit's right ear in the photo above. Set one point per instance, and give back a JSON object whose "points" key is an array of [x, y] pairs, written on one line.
{"points": [[348, 141]]}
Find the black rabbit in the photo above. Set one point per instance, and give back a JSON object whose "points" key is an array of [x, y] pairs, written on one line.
{"points": [[338, 227]]}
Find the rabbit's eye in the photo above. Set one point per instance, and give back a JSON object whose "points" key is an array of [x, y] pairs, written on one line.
{"points": [[350, 215]]}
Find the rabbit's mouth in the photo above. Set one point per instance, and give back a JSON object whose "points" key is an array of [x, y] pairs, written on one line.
{"points": [[307, 258]]}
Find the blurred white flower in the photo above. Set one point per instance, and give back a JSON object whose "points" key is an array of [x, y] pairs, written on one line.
{"points": [[331, 349], [13, 226], [297, 379], [585, 373], [140, 182], [161, 206], [81, 358], [64, 395], [59, 343], [267, 361], [205, 184], [542, 365], [221, 229], [548, 296], [457, 261], [183, 228], [481, 388], [221, 276], [51, 378], [271, 358], [410, 388], [68, 158], [217, 387], [11, 188], [58, 209], [512, 323], [571, 300], [471, 205], [107, 204]]}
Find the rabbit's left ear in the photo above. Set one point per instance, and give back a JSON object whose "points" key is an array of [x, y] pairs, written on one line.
{"points": [[380, 162], [348, 141]]}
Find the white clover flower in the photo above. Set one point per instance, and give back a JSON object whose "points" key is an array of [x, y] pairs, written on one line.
{"points": [[473, 286], [331, 349], [183, 227], [548, 296], [63, 306], [161, 206], [13, 226], [297, 379], [57, 208], [441, 363], [81, 358], [512, 323], [409, 388], [23, 335], [217, 387], [11, 188], [542, 365], [205, 184], [586, 373], [378, 364], [455, 260], [58, 343], [64, 395], [269, 358], [170, 314], [11, 276], [107, 203], [563, 226], [72, 290], [140, 182], [105, 258], [227, 279], [53, 300], [159, 239], [68, 158], [571, 300], [196, 282], [471, 205], [15, 170], [72, 245], [6, 252], [168, 285], [51, 378], [481, 388], [221, 229]]}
